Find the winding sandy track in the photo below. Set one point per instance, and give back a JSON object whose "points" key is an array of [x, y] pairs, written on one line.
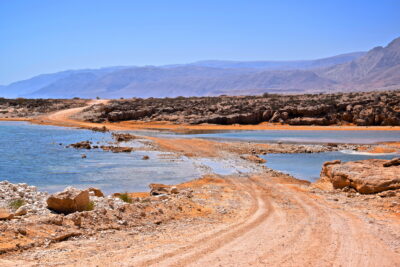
{"points": [[63, 117], [285, 228]]}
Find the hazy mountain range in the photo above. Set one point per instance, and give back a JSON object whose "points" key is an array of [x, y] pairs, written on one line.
{"points": [[376, 69]]}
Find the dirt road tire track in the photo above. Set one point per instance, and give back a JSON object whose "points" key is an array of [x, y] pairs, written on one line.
{"points": [[288, 228]]}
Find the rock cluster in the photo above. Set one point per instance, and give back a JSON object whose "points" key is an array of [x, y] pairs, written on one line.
{"points": [[363, 109], [30, 199], [365, 176], [33, 202], [27, 229], [88, 145], [82, 145]]}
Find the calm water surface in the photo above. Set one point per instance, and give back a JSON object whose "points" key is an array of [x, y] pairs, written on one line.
{"points": [[308, 166], [32, 154]]}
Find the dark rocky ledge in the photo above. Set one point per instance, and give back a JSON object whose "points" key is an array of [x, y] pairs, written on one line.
{"points": [[361, 108]]}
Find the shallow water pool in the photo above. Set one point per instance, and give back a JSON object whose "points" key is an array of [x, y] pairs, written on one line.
{"points": [[308, 166]]}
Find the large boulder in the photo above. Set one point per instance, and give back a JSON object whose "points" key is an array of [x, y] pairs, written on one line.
{"points": [[68, 201], [366, 176]]}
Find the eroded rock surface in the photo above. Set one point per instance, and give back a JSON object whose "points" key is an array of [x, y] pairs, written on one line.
{"points": [[362, 109], [68, 201], [365, 176]]}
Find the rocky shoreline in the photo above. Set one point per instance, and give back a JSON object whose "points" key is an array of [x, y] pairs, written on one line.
{"points": [[83, 213]]}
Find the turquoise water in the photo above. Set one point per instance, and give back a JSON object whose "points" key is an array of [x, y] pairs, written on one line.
{"points": [[296, 136], [308, 166], [32, 154]]}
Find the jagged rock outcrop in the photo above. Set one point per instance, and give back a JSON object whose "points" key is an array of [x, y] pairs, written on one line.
{"points": [[68, 201], [365, 176], [362, 109]]}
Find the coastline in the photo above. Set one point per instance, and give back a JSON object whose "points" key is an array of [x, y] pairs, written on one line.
{"points": [[187, 128]]}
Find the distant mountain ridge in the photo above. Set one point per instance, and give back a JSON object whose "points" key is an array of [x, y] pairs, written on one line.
{"points": [[281, 65], [380, 67], [29, 86], [376, 69]]}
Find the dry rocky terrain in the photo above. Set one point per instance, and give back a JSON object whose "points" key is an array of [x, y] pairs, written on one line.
{"points": [[362, 109], [28, 108]]}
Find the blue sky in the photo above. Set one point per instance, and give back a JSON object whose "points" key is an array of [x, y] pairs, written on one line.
{"points": [[43, 36]]}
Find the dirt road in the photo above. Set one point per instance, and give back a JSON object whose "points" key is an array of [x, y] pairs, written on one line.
{"points": [[286, 227], [63, 117]]}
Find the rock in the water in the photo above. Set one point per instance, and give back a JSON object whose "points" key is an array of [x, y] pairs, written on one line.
{"points": [[82, 145], [68, 201], [117, 149], [366, 176]]}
